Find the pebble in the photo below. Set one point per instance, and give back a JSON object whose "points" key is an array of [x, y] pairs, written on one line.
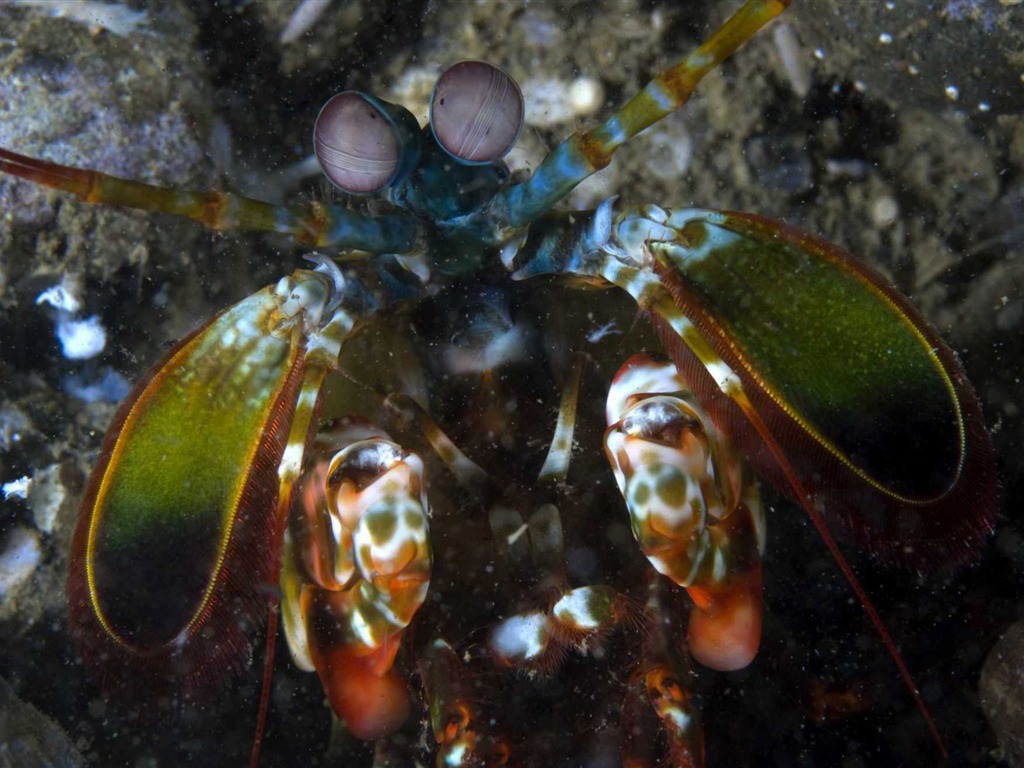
{"points": [[884, 211], [547, 102], [45, 495], [19, 559], [30, 739], [586, 95]]}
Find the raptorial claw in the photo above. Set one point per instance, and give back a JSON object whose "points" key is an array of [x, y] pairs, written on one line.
{"points": [[694, 510], [357, 568]]}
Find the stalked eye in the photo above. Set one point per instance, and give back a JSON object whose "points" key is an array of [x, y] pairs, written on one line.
{"points": [[476, 112], [364, 144]]}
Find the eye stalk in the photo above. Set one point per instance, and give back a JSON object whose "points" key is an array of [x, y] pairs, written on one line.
{"points": [[476, 112], [364, 144]]}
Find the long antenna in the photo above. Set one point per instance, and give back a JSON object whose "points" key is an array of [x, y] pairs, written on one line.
{"points": [[805, 500]]}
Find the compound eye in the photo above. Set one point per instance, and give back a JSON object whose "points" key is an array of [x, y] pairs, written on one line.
{"points": [[476, 112], [356, 144]]}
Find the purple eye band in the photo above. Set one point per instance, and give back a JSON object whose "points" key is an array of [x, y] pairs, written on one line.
{"points": [[476, 112], [364, 144]]}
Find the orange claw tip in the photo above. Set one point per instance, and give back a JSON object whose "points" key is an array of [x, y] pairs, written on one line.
{"points": [[727, 638], [371, 705]]}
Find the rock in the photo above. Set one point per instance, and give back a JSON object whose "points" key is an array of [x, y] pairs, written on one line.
{"points": [[1002, 693], [29, 739]]}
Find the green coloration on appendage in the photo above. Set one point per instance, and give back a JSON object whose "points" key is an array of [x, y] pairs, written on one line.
{"points": [[832, 349], [381, 521], [169, 498]]}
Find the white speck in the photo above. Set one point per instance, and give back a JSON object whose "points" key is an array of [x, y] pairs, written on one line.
{"points": [[912, 69], [819, 54], [597, 334], [60, 296], [860, 86], [885, 38], [792, 55], [17, 489], [586, 95], [952, 92], [456, 755], [21, 555], [890, 5], [657, 21], [520, 638], [81, 339], [516, 535], [303, 18], [984, 106], [884, 211]]}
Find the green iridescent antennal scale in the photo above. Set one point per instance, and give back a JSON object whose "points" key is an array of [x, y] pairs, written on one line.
{"points": [[175, 544], [870, 406]]}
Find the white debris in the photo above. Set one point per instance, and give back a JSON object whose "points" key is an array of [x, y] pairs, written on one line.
{"points": [[21, 556], [45, 495], [17, 489], [81, 339], [302, 19], [117, 19], [62, 296], [608, 329], [793, 59], [884, 211], [520, 638]]}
